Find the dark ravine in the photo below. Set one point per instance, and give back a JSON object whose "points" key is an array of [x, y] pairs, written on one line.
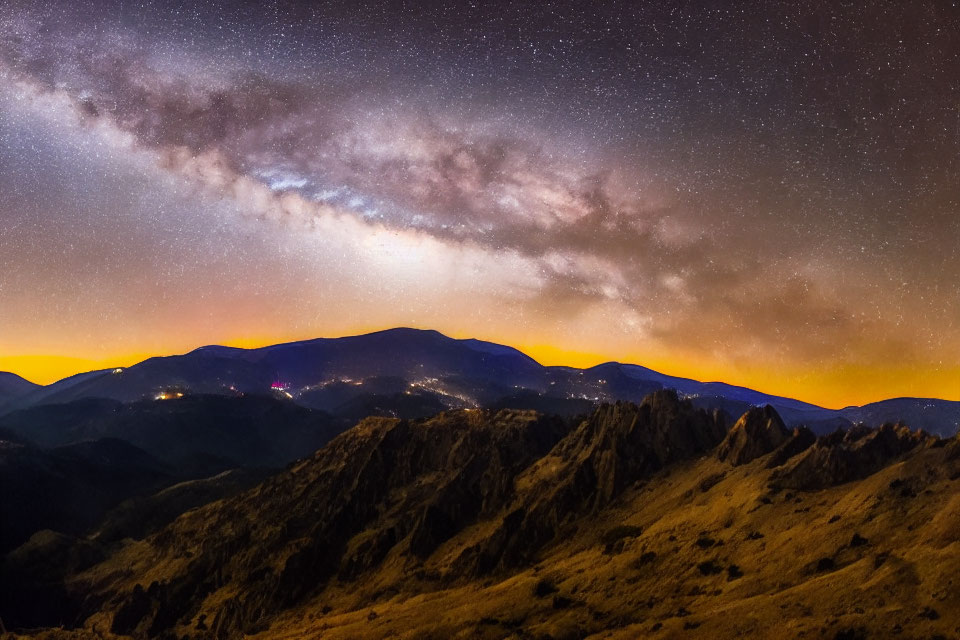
{"points": [[437, 505]]}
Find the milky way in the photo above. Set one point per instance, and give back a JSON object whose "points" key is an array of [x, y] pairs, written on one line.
{"points": [[767, 194]]}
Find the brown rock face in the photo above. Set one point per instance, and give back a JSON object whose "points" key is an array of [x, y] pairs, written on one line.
{"points": [[397, 489], [384, 483], [494, 524], [613, 449], [800, 440], [847, 455], [758, 432]]}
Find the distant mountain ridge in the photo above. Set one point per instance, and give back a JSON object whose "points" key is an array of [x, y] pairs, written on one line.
{"points": [[13, 386], [410, 371]]}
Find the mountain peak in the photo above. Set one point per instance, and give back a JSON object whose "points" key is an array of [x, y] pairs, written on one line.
{"points": [[11, 380], [13, 386], [758, 432], [403, 371]]}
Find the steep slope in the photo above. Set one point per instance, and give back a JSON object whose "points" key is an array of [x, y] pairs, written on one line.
{"points": [[335, 515], [508, 524], [758, 432], [392, 488], [617, 446], [141, 515], [32, 575]]}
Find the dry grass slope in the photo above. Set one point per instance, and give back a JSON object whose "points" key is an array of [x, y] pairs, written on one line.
{"points": [[511, 525]]}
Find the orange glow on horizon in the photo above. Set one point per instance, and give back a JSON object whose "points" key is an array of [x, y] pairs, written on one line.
{"points": [[45, 369], [834, 388]]}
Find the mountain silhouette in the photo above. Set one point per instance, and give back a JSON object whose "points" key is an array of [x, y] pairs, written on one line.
{"points": [[412, 373], [13, 387]]}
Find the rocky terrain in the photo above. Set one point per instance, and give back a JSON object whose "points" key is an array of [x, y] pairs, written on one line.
{"points": [[651, 520]]}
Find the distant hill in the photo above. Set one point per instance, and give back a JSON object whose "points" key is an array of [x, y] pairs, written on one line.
{"points": [[378, 372], [196, 435], [936, 416], [13, 387], [63, 465], [69, 488]]}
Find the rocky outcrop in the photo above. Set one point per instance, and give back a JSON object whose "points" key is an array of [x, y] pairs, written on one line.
{"points": [[758, 432], [847, 455], [623, 442], [401, 489], [466, 500], [800, 440], [610, 451], [384, 483]]}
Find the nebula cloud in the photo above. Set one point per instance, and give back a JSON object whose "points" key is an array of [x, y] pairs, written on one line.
{"points": [[686, 243]]}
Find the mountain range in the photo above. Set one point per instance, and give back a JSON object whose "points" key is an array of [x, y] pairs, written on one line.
{"points": [[658, 519], [406, 484], [412, 373]]}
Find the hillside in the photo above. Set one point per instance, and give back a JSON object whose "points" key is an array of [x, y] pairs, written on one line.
{"points": [[651, 520], [13, 387], [69, 488], [195, 434], [63, 466]]}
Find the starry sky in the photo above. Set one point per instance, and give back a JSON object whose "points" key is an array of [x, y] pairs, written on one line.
{"points": [[764, 193]]}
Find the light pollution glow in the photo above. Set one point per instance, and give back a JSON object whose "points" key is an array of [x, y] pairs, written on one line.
{"points": [[162, 188]]}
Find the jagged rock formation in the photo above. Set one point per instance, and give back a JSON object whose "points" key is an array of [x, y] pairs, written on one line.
{"points": [[390, 487], [799, 441], [618, 445], [640, 520], [337, 515], [758, 432], [848, 455]]}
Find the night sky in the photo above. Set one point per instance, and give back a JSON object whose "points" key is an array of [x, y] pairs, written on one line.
{"points": [[762, 193]]}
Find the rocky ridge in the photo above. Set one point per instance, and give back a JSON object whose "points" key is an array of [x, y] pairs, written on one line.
{"points": [[470, 502]]}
